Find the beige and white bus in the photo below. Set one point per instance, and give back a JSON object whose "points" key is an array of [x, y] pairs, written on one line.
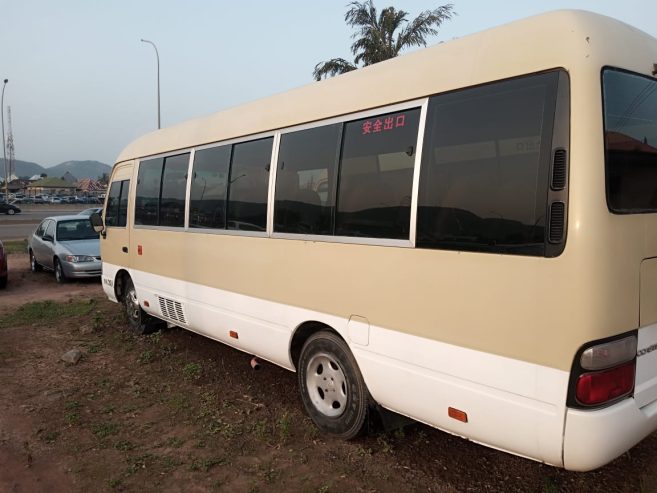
{"points": [[465, 235]]}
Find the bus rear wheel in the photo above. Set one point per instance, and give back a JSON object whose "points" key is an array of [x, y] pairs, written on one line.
{"points": [[140, 322], [332, 387]]}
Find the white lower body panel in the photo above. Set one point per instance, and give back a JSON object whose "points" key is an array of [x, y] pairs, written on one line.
{"points": [[511, 405]]}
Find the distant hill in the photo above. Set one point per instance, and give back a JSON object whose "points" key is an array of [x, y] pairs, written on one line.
{"points": [[23, 168], [79, 169]]}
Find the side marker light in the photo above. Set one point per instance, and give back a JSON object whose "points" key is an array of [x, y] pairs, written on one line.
{"points": [[457, 414]]}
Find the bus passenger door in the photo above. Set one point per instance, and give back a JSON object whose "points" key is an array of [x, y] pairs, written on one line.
{"points": [[115, 242]]}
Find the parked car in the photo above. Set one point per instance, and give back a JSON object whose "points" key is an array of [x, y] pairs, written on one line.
{"points": [[90, 211], [10, 209], [55, 200], [66, 245], [3, 267]]}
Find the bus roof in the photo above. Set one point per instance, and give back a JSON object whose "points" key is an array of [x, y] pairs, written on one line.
{"points": [[570, 39]]}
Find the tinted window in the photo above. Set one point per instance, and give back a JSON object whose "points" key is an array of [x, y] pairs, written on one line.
{"points": [[41, 229], [483, 184], [174, 184], [305, 181], [249, 185], [209, 188], [123, 203], [50, 229], [161, 187], [148, 192], [116, 212], [376, 176], [630, 111]]}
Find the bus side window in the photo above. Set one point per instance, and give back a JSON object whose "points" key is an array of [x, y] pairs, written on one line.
{"points": [[249, 185], [376, 176], [306, 172]]}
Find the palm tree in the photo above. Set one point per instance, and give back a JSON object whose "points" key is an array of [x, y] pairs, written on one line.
{"points": [[375, 38]]}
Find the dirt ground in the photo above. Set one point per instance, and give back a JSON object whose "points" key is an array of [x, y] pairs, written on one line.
{"points": [[177, 412]]}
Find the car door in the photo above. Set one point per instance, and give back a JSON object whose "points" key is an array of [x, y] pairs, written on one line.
{"points": [[40, 247], [48, 245]]}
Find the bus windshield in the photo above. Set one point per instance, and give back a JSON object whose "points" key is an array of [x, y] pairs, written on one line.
{"points": [[630, 118]]}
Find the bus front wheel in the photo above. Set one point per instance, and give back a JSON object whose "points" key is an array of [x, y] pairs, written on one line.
{"points": [[140, 321], [332, 387]]}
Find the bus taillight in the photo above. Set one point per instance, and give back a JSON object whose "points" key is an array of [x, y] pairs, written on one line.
{"points": [[604, 372], [604, 386]]}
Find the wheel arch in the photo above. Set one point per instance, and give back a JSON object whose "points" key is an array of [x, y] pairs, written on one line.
{"points": [[302, 333], [120, 279]]}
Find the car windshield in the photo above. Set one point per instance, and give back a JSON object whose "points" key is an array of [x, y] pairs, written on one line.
{"points": [[75, 229]]}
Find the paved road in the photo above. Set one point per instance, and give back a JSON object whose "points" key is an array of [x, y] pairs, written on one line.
{"points": [[21, 225]]}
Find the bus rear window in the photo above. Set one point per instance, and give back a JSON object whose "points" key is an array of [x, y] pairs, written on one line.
{"points": [[630, 118]]}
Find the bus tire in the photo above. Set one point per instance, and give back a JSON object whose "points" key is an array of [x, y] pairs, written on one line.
{"points": [[140, 322], [332, 388]]}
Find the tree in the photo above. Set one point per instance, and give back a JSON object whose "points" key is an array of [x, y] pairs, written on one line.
{"points": [[375, 38]]}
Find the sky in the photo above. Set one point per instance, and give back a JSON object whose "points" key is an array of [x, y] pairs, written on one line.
{"points": [[82, 85]]}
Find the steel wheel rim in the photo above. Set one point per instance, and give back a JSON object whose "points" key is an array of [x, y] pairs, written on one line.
{"points": [[32, 262], [132, 304], [327, 385], [58, 272]]}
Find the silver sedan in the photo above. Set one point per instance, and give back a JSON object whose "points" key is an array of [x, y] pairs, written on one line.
{"points": [[66, 245]]}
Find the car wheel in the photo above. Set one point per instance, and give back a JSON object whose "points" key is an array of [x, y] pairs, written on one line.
{"points": [[11, 212], [140, 321], [3, 282], [60, 277], [332, 387], [34, 265]]}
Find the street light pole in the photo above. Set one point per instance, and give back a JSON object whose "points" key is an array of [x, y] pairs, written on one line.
{"points": [[4, 147], [157, 55]]}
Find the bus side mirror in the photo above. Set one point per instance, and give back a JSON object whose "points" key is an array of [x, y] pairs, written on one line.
{"points": [[97, 223]]}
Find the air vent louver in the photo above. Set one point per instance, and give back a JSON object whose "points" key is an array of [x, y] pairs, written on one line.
{"points": [[559, 170], [172, 309], [557, 222]]}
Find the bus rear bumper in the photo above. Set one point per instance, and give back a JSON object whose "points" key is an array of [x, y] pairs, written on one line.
{"points": [[595, 438]]}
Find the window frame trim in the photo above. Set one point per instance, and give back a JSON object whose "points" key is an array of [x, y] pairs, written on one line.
{"points": [[422, 105]]}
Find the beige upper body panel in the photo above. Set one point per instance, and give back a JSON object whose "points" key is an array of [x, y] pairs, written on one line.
{"points": [[569, 39], [530, 308]]}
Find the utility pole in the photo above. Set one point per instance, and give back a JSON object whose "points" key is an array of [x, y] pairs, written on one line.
{"points": [[10, 145], [4, 149]]}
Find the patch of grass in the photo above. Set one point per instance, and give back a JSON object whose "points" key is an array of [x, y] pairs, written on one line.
{"points": [[192, 371], [114, 482], [179, 402], [103, 430], [261, 430], [15, 246], [139, 462], [46, 311], [386, 446], [283, 426], [72, 416], [146, 357], [124, 446], [175, 442], [51, 436], [206, 464]]}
